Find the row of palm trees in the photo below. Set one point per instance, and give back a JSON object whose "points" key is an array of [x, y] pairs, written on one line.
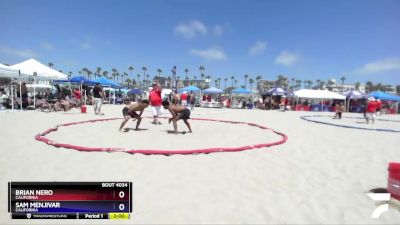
{"points": [[143, 80]]}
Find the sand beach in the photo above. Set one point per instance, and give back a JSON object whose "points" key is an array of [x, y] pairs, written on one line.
{"points": [[319, 176]]}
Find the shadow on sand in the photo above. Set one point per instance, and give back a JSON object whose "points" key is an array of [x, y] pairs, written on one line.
{"points": [[173, 132], [132, 129]]}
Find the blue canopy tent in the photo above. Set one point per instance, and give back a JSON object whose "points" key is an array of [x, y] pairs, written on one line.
{"points": [[384, 96], [189, 88], [81, 80], [241, 91], [216, 103], [213, 90], [106, 82]]}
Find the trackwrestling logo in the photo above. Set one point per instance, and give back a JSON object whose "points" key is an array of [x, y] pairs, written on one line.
{"points": [[384, 207]]}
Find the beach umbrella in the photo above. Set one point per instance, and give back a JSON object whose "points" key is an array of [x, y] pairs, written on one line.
{"points": [[353, 94], [135, 91], [275, 91]]}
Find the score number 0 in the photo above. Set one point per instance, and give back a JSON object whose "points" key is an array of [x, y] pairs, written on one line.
{"points": [[121, 206]]}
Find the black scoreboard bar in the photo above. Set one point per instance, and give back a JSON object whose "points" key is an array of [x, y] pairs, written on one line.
{"points": [[70, 200]]}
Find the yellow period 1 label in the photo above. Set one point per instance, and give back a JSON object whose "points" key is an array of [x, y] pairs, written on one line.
{"points": [[118, 216]]}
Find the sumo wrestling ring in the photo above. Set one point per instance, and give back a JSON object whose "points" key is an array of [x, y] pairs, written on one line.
{"points": [[278, 138]]}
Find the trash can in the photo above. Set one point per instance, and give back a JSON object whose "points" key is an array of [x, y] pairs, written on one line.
{"points": [[83, 109], [394, 180]]}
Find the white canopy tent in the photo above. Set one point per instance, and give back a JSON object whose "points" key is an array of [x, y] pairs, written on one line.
{"points": [[8, 72], [31, 67], [318, 94], [38, 70]]}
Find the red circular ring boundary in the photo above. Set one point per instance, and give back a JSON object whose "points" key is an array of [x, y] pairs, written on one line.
{"points": [[41, 137]]}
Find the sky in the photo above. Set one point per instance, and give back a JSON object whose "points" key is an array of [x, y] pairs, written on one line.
{"points": [[305, 40]]}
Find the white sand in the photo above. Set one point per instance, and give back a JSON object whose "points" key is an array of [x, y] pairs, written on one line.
{"points": [[320, 176]]}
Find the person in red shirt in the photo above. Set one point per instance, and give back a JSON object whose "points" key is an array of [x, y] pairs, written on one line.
{"points": [[155, 101], [208, 98], [77, 94], [372, 105], [184, 98]]}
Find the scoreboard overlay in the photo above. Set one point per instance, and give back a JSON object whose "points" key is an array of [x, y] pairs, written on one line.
{"points": [[70, 200]]}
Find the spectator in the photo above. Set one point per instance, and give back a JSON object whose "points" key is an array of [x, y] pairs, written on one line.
{"points": [[98, 96], [156, 101]]}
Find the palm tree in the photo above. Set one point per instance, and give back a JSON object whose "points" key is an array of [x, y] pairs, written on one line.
{"points": [[235, 82], [322, 84], [84, 70], [80, 73], [226, 79], [51, 64], [125, 74], [70, 74], [147, 79], [202, 68], [298, 83], [318, 83], [159, 71], [128, 81], [186, 71], [118, 74], [98, 72], [310, 83], [305, 83], [105, 73], [89, 74], [245, 80], [232, 79], [144, 74], [219, 82], [130, 71], [251, 82], [258, 78], [343, 79], [138, 78]]}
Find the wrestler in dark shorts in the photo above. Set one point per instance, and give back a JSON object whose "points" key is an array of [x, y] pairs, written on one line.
{"points": [[133, 114], [184, 115]]}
